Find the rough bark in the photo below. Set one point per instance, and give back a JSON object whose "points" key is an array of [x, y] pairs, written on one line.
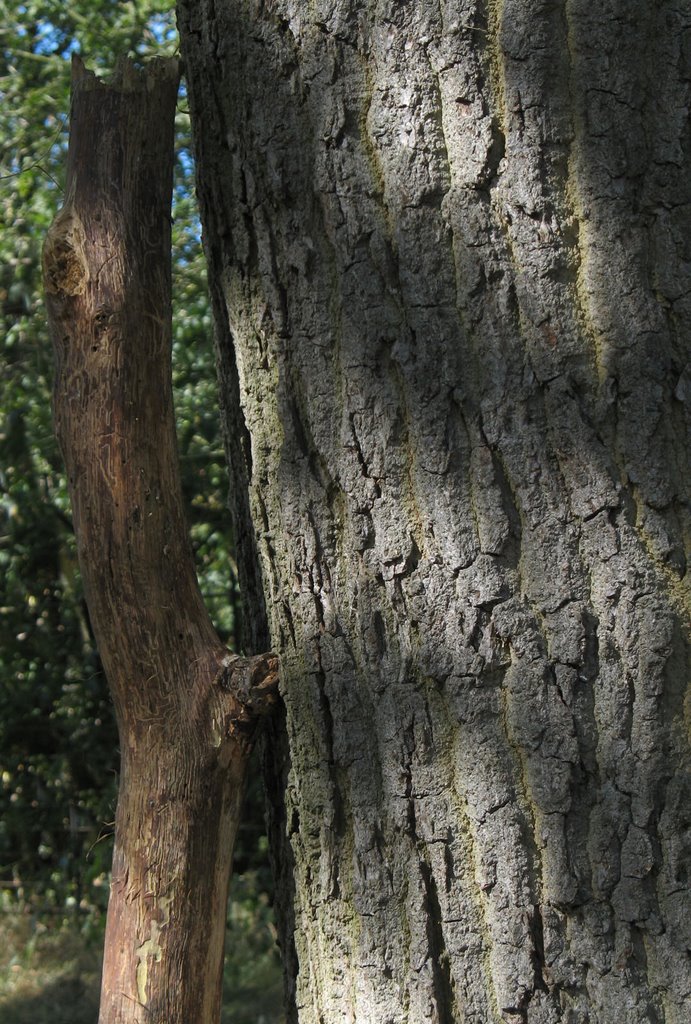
{"points": [[449, 250], [186, 708]]}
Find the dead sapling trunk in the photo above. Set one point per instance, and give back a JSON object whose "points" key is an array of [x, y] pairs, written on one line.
{"points": [[186, 708]]}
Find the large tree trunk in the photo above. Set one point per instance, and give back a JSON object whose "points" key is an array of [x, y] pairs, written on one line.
{"points": [[186, 708], [449, 251]]}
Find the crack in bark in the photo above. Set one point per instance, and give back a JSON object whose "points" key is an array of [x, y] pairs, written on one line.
{"points": [[439, 955]]}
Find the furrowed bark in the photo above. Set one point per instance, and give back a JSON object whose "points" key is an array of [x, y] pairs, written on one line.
{"points": [[448, 246], [186, 708]]}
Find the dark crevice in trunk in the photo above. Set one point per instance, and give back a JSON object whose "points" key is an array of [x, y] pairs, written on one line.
{"points": [[439, 954]]}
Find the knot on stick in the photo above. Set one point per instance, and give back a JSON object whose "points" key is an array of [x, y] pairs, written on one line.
{"points": [[64, 263], [252, 681]]}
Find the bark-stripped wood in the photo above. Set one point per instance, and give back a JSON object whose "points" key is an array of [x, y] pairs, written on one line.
{"points": [[449, 247], [186, 708]]}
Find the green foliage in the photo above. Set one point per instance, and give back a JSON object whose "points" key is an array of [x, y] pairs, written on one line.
{"points": [[58, 743], [50, 969]]}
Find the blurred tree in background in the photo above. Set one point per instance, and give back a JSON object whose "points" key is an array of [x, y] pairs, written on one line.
{"points": [[58, 743]]}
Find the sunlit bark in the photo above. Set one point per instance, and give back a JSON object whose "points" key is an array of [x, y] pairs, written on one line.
{"points": [[186, 708], [449, 249]]}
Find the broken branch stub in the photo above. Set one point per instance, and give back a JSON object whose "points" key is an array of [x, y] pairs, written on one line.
{"points": [[186, 708], [108, 291]]}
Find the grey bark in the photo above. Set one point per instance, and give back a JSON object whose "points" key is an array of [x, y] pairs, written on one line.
{"points": [[449, 247]]}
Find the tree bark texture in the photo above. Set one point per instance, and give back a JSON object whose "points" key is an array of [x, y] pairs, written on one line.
{"points": [[449, 247], [186, 708]]}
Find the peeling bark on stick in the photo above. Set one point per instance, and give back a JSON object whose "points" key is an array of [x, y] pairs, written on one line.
{"points": [[186, 708]]}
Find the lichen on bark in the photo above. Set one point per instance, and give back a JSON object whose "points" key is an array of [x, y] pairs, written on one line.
{"points": [[446, 247]]}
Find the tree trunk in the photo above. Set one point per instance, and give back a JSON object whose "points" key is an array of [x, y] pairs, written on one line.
{"points": [[449, 251], [185, 707]]}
